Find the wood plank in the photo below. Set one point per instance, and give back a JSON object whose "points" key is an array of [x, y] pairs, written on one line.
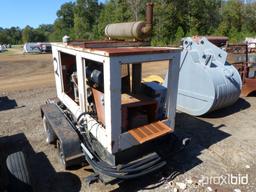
{"points": [[151, 131]]}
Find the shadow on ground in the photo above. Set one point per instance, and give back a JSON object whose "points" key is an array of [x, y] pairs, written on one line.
{"points": [[43, 175], [240, 105], [6, 103], [202, 134]]}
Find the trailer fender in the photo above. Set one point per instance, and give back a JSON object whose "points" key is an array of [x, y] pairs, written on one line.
{"points": [[68, 139]]}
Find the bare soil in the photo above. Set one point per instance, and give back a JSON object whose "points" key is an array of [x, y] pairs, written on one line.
{"points": [[21, 72], [223, 142]]}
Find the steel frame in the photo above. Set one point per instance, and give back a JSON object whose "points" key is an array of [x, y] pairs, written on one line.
{"points": [[109, 136]]}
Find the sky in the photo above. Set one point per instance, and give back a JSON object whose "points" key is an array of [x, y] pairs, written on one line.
{"points": [[29, 12]]}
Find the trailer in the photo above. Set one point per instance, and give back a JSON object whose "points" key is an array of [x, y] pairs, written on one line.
{"points": [[37, 47], [31, 48], [103, 114], [3, 48]]}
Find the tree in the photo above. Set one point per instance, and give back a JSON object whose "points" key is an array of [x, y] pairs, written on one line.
{"points": [[64, 24], [27, 34], [136, 8], [249, 18], [173, 19], [85, 18], [168, 16], [46, 30], [115, 11], [204, 16], [179, 35], [232, 15]]}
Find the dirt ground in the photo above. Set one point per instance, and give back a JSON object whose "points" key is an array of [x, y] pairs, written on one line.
{"points": [[223, 143]]}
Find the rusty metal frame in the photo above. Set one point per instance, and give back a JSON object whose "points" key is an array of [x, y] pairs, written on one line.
{"points": [[249, 84]]}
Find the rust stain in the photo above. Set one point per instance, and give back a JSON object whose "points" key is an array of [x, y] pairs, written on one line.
{"points": [[151, 131]]}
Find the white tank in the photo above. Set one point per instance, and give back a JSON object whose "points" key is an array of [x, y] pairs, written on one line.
{"points": [[206, 81]]}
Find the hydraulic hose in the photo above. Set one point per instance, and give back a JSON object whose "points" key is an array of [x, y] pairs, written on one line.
{"points": [[129, 170], [126, 171], [80, 116], [125, 176]]}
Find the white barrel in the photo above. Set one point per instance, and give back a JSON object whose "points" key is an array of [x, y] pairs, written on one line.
{"points": [[206, 81]]}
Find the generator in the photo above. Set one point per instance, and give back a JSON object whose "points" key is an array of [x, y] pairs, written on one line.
{"points": [[103, 115]]}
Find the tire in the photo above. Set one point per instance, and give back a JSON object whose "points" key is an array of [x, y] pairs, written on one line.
{"points": [[61, 154], [50, 135], [69, 164], [18, 174]]}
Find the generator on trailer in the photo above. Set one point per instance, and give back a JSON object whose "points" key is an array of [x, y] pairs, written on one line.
{"points": [[103, 114]]}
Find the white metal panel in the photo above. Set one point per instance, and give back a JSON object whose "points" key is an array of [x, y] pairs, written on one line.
{"points": [[57, 71], [81, 82], [112, 100], [146, 57], [72, 106], [98, 132], [172, 90]]}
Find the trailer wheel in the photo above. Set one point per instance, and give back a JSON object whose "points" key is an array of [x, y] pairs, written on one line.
{"points": [[19, 179], [50, 135]]}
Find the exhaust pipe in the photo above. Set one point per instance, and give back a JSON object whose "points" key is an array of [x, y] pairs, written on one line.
{"points": [[139, 30], [149, 18]]}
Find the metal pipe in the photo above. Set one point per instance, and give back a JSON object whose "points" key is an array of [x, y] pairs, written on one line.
{"points": [[139, 30], [149, 18]]}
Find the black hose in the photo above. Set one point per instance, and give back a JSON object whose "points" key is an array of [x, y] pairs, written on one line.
{"points": [[80, 116], [129, 170], [122, 175], [125, 173], [142, 167], [131, 164], [141, 162]]}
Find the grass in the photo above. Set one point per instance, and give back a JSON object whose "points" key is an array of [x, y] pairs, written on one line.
{"points": [[15, 50]]}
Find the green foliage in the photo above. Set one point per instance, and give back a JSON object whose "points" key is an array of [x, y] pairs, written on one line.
{"points": [[173, 19], [10, 36], [27, 34], [85, 17], [64, 24], [179, 35], [114, 11]]}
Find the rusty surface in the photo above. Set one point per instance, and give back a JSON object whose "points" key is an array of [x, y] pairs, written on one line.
{"points": [[129, 103], [118, 48], [107, 44], [219, 41], [151, 131], [132, 51], [149, 13], [147, 29], [97, 95], [249, 87], [249, 84], [241, 48]]}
